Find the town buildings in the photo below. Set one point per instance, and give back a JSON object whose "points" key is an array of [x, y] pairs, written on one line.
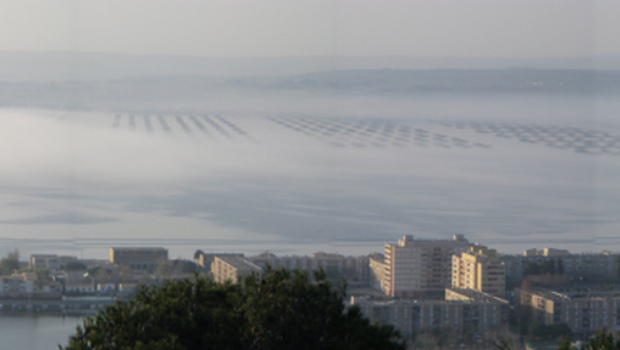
{"points": [[585, 310], [603, 265], [45, 261], [415, 267], [18, 284], [446, 286], [138, 259], [352, 268], [478, 314], [480, 269]]}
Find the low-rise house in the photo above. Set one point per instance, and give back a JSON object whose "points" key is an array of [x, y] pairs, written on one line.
{"points": [[17, 285], [108, 287], [50, 289], [45, 261], [80, 285], [128, 287]]}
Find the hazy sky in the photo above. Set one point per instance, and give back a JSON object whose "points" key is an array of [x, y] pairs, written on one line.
{"points": [[474, 28]]}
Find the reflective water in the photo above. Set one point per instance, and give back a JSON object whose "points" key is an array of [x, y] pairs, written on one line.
{"points": [[36, 332]]}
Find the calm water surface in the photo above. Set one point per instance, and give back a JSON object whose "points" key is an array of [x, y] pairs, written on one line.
{"points": [[36, 332]]}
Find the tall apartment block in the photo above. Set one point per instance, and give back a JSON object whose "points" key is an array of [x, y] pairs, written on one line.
{"points": [[479, 269], [415, 267]]}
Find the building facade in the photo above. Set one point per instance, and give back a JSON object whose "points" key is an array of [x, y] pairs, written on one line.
{"points": [[45, 261], [479, 269], [585, 312], [594, 265], [232, 268], [414, 267], [355, 269], [376, 264], [138, 259], [206, 259], [458, 317]]}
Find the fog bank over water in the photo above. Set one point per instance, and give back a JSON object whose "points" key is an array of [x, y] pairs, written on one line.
{"points": [[330, 174]]}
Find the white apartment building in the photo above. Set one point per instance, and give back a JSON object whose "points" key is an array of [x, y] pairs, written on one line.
{"points": [[414, 267]]}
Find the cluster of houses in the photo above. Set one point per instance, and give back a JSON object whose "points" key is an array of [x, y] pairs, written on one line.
{"points": [[49, 276], [437, 285]]}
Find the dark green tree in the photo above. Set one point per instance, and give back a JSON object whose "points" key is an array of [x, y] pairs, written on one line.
{"points": [[197, 254], [565, 343], [9, 264], [281, 310], [538, 331], [504, 343], [187, 314], [603, 340]]}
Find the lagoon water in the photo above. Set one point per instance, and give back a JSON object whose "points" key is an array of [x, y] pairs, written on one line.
{"points": [[509, 172], [36, 332]]}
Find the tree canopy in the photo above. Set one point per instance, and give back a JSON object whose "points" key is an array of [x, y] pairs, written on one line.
{"points": [[280, 310], [603, 340], [9, 264]]}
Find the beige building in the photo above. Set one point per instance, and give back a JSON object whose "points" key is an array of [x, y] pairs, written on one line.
{"points": [[585, 312], [376, 271], [206, 259], [139, 259], [414, 267], [479, 269], [232, 268]]}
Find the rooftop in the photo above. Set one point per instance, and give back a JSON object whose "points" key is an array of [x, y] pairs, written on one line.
{"points": [[138, 249], [477, 295], [581, 293], [239, 262]]}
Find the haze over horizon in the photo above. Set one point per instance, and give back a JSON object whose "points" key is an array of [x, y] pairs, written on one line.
{"points": [[422, 28]]}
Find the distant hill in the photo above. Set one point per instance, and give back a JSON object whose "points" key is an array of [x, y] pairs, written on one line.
{"points": [[202, 92], [85, 66], [453, 80]]}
